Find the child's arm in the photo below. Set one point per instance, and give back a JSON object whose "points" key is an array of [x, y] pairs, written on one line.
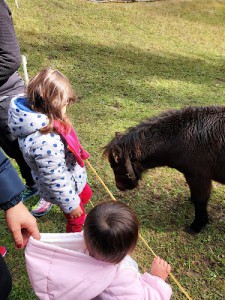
{"points": [[160, 268], [130, 284], [156, 281]]}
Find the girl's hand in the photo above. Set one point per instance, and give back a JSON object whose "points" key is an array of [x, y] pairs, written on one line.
{"points": [[160, 268], [77, 212]]}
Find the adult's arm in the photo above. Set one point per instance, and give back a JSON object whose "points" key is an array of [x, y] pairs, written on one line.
{"points": [[10, 57], [11, 185], [19, 220]]}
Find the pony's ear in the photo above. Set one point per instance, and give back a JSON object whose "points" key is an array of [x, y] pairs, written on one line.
{"points": [[115, 156], [116, 153], [118, 135]]}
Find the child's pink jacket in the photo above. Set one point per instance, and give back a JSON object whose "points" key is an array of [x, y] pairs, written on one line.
{"points": [[60, 268]]}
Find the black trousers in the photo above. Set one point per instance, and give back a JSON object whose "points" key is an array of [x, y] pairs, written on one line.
{"points": [[10, 145], [5, 280]]}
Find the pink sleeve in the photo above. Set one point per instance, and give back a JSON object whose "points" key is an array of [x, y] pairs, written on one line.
{"points": [[129, 284], [157, 287]]}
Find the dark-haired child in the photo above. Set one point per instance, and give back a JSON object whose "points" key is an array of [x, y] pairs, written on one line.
{"points": [[95, 264]]}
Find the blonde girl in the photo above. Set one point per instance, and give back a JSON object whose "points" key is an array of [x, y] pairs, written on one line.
{"points": [[50, 145]]}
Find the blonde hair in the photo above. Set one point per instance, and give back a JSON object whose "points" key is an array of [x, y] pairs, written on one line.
{"points": [[48, 92]]}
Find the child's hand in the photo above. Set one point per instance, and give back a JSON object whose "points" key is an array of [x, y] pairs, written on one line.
{"points": [[77, 212], [160, 268]]}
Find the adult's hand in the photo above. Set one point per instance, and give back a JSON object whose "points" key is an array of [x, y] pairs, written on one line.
{"points": [[22, 224]]}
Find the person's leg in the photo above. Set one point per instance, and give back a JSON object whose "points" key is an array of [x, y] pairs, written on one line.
{"points": [[24, 168], [10, 144], [5, 280]]}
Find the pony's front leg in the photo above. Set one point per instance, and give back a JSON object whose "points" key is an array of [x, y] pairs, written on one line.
{"points": [[200, 188]]}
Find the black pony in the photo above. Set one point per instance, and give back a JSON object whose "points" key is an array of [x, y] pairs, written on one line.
{"points": [[191, 140]]}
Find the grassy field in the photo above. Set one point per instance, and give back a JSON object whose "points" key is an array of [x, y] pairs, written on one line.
{"points": [[128, 62]]}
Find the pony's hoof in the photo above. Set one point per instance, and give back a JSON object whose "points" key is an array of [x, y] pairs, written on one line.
{"points": [[193, 229], [190, 230]]}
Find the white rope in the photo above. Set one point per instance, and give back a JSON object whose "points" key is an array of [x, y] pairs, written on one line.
{"points": [[17, 4], [24, 63]]}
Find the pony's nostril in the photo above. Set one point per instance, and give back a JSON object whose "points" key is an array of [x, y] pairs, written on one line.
{"points": [[121, 187]]}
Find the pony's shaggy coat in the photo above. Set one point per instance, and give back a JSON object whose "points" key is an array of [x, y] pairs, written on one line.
{"points": [[191, 140]]}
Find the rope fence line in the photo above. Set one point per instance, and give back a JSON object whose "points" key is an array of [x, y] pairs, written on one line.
{"points": [[139, 235]]}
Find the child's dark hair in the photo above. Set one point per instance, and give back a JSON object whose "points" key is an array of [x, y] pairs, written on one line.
{"points": [[111, 231], [47, 93]]}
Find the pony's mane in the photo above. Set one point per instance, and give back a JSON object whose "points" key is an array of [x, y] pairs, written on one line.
{"points": [[131, 140], [133, 136]]}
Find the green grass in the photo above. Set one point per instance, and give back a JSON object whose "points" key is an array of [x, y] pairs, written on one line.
{"points": [[128, 62]]}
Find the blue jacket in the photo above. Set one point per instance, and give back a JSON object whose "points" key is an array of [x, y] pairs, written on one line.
{"points": [[11, 185]]}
